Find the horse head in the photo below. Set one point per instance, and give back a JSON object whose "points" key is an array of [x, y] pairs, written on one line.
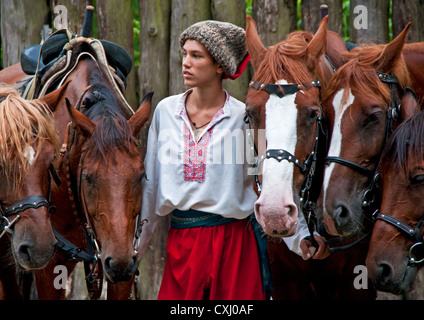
{"points": [[396, 249], [282, 106], [361, 105], [29, 144], [108, 167]]}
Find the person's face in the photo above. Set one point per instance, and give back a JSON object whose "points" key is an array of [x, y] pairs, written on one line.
{"points": [[199, 67]]}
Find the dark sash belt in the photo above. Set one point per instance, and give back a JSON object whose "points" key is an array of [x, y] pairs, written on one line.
{"points": [[193, 218]]}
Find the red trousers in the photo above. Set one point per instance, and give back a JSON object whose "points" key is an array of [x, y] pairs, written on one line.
{"points": [[216, 263]]}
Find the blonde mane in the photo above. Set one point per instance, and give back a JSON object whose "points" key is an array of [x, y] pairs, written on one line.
{"points": [[23, 123]]}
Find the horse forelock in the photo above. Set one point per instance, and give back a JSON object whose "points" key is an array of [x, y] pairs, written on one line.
{"points": [[406, 146], [25, 123], [359, 74], [112, 130], [286, 61]]}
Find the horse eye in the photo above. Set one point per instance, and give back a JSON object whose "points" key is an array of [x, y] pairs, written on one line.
{"points": [[87, 178], [417, 179], [374, 117], [313, 115]]}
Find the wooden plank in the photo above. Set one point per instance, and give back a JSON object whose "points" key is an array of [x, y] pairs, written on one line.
{"points": [[405, 11], [369, 21], [114, 23], [153, 76], [184, 14], [311, 15], [235, 12], [274, 19], [21, 25]]}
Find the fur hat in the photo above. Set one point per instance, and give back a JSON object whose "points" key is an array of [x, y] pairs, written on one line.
{"points": [[224, 41]]}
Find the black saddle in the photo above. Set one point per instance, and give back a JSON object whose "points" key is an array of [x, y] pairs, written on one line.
{"points": [[117, 57], [29, 59]]}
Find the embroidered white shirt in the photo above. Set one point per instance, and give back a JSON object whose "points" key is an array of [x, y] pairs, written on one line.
{"points": [[208, 175]]}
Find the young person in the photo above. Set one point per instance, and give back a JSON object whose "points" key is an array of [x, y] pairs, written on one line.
{"points": [[197, 171]]}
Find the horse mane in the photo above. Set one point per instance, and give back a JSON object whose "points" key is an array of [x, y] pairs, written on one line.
{"points": [[23, 123], [359, 72], [112, 130], [405, 146], [286, 60]]}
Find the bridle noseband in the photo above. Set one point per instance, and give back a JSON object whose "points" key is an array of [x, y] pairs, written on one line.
{"points": [[413, 233]]}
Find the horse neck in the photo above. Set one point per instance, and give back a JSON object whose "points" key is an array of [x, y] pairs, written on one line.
{"points": [[413, 54]]}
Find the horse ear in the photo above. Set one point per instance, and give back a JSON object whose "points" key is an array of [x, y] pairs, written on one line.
{"points": [[141, 116], [409, 104], [393, 51], [335, 48], [316, 48], [253, 43], [52, 99], [80, 121]]}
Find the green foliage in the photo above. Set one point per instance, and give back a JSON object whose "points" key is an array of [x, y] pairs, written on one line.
{"points": [[249, 7], [136, 32], [346, 20]]}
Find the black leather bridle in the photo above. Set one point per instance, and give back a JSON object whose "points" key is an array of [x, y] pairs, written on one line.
{"points": [[392, 114], [282, 90], [308, 167], [30, 202], [413, 233]]}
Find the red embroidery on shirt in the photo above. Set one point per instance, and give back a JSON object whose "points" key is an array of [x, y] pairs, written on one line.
{"points": [[195, 154]]}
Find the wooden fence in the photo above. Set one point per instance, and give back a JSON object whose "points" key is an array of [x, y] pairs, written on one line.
{"points": [[161, 23]]}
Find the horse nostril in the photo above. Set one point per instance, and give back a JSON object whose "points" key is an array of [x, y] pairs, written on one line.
{"points": [[108, 265], [291, 210], [280, 234], [384, 273], [24, 251], [342, 214]]}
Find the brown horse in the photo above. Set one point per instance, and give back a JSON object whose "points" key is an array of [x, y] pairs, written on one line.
{"points": [[396, 250], [28, 146], [361, 103], [293, 277], [101, 169], [283, 97]]}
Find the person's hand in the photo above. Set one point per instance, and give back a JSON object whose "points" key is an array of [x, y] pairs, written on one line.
{"points": [[308, 249]]}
